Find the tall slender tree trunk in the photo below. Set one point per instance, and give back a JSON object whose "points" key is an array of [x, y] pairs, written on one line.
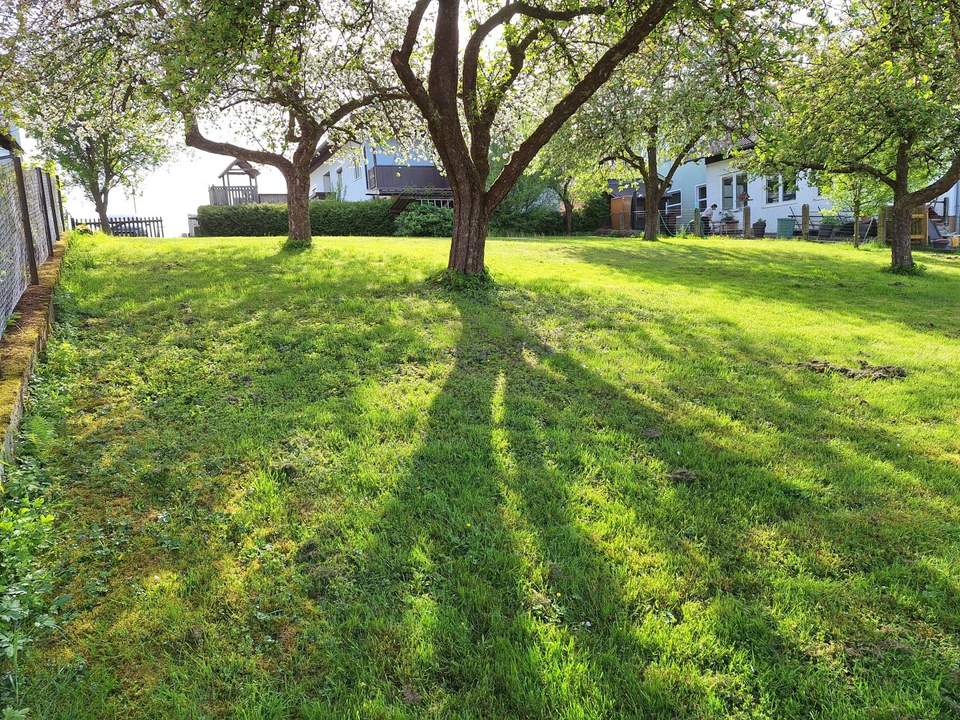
{"points": [[299, 234], [567, 206], [856, 220], [470, 219], [652, 189], [100, 199], [900, 249], [651, 223], [568, 216]]}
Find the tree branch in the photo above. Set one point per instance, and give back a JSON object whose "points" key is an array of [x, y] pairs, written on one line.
{"points": [[471, 53], [580, 93], [195, 139], [938, 187]]}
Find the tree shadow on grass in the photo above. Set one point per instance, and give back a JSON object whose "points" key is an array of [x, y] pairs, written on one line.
{"points": [[538, 561], [531, 556], [852, 285]]}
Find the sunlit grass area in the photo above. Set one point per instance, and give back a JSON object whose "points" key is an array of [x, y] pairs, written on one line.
{"points": [[323, 485]]}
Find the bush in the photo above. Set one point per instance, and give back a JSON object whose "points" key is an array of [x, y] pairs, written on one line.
{"points": [[594, 214], [327, 217], [425, 221], [536, 221]]}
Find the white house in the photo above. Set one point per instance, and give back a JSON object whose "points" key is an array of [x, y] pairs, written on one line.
{"points": [[771, 197], [363, 172]]}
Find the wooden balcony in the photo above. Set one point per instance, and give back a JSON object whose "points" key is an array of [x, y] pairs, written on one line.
{"points": [[399, 179]]}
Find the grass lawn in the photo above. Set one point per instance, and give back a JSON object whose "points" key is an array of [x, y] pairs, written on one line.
{"points": [[324, 486]]}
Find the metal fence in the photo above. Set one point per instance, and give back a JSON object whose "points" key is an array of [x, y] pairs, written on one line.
{"points": [[129, 226], [31, 220]]}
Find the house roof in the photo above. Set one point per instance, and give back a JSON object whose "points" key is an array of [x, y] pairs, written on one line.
{"points": [[240, 167], [7, 141], [321, 156], [722, 149], [629, 189]]}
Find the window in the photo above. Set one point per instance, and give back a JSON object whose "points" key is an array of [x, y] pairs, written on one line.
{"points": [[742, 195], [327, 183], [773, 189], [672, 202], [781, 188], [734, 191], [356, 168], [790, 186], [702, 197]]}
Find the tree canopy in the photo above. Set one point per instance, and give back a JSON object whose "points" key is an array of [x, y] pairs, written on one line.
{"points": [[874, 91], [85, 104]]}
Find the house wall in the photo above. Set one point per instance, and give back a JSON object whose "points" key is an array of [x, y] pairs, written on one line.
{"points": [[350, 165], [686, 179], [757, 190], [952, 196], [347, 174]]}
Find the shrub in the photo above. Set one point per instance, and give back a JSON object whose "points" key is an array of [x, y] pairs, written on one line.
{"points": [[594, 214], [425, 221], [536, 221], [327, 217]]}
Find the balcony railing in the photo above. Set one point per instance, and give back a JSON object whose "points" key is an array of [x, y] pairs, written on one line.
{"points": [[395, 179], [242, 195]]}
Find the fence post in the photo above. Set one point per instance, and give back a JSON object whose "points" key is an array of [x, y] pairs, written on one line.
{"points": [[47, 211], [25, 217], [697, 222], [805, 221], [747, 227], [58, 225], [59, 195]]}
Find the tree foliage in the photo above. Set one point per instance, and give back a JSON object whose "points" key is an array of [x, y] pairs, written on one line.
{"points": [[86, 106], [287, 75], [874, 92]]}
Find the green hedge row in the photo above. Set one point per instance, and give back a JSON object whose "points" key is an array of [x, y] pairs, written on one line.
{"points": [[336, 217], [327, 217]]}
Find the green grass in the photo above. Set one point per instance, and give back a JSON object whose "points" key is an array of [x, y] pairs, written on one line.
{"points": [[321, 485]]}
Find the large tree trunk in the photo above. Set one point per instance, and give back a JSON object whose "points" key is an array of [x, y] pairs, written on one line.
{"points": [[470, 221], [651, 223], [901, 252], [567, 216], [100, 203], [298, 209]]}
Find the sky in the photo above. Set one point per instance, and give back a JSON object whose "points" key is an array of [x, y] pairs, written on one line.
{"points": [[173, 191]]}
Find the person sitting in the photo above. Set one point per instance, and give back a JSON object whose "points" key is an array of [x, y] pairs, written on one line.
{"points": [[707, 219]]}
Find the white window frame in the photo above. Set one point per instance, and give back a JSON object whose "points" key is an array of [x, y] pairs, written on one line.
{"points": [[668, 206], [783, 187], [768, 185], [702, 201], [781, 194], [733, 179]]}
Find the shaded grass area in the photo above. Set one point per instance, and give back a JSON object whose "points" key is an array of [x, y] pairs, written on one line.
{"points": [[322, 485]]}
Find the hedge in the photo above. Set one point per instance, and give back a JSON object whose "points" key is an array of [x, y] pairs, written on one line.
{"points": [[327, 217], [537, 221], [425, 221], [372, 217], [594, 214]]}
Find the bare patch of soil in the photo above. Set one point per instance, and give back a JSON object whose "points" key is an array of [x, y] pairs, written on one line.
{"points": [[865, 371]]}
